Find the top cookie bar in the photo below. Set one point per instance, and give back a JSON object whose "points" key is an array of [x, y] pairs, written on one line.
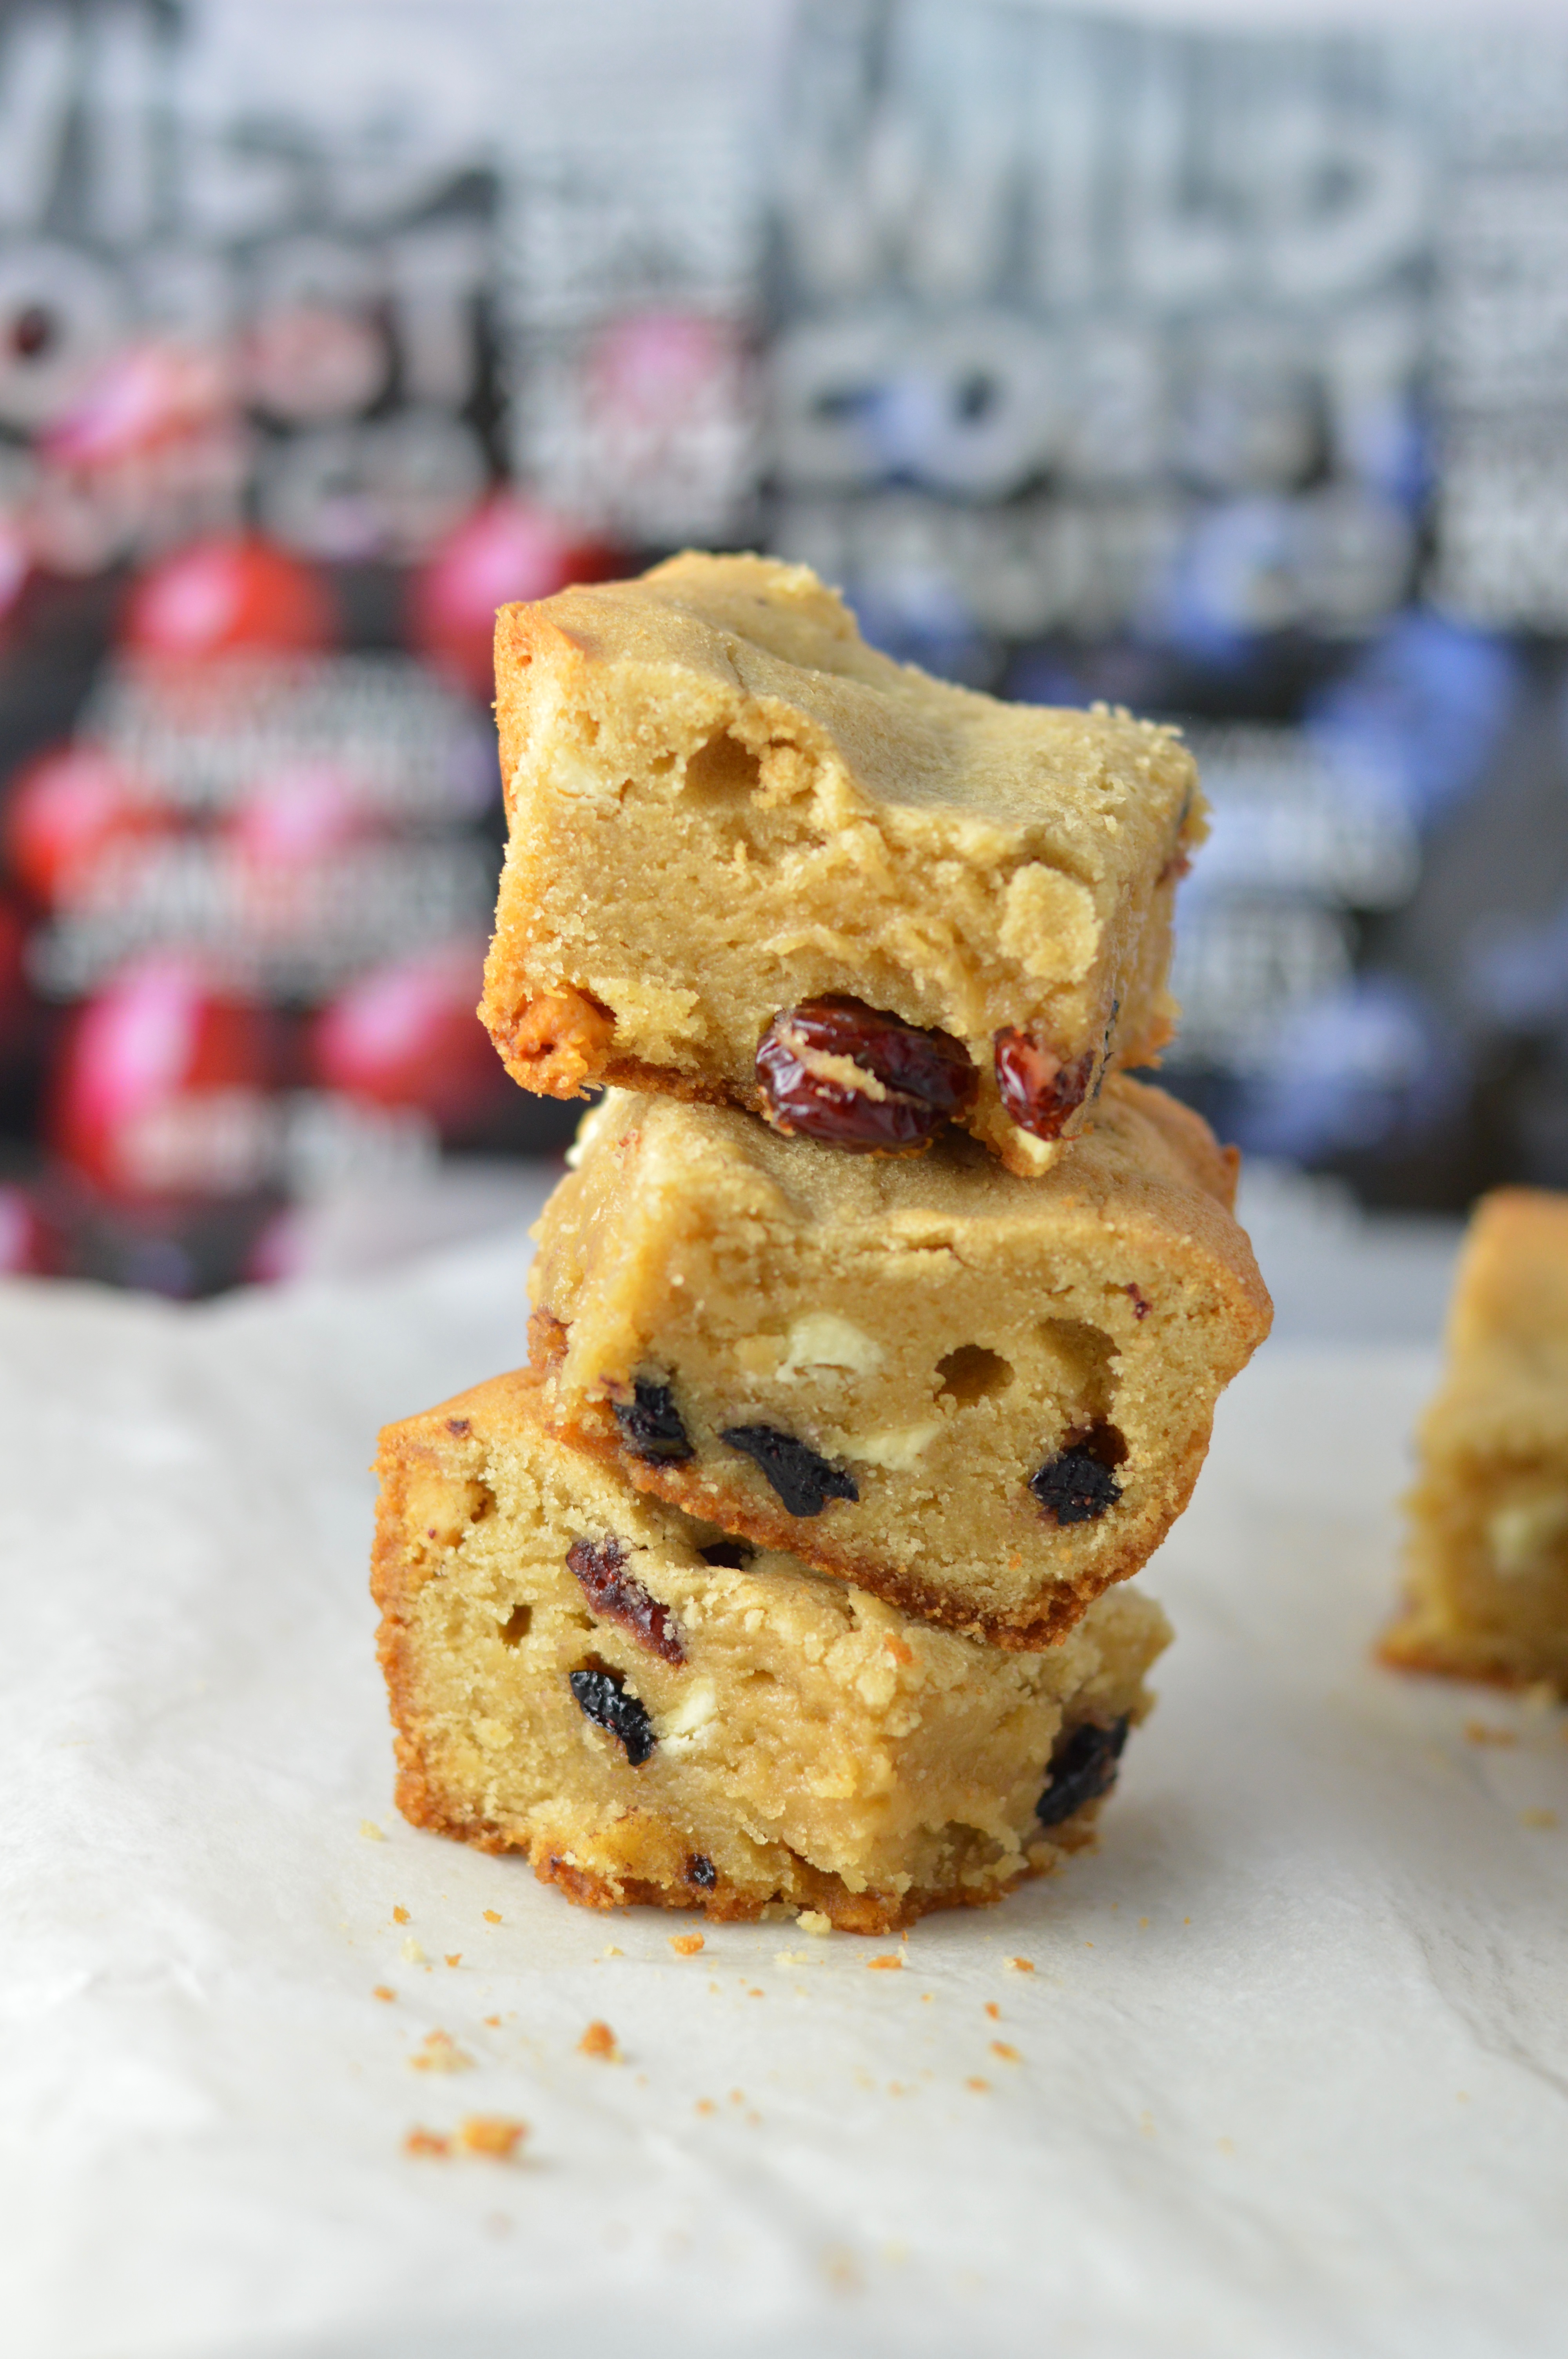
{"points": [[753, 859]]}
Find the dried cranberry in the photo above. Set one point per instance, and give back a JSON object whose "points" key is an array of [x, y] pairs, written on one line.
{"points": [[700, 1871], [1078, 1485], [616, 1595], [804, 1481], [1083, 1767], [927, 1077], [602, 1698], [1038, 1091], [652, 1423]]}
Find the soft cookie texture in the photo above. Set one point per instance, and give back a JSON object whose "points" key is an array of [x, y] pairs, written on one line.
{"points": [[982, 1397], [726, 808], [1486, 1567], [653, 1713]]}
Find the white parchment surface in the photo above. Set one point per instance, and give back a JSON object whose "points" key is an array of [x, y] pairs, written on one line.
{"points": [[1290, 2075]]}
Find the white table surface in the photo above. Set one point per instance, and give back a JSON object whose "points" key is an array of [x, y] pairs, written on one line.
{"points": [[1292, 2070]]}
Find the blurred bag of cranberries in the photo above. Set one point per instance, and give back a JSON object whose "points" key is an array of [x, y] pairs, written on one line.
{"points": [[1217, 372]]}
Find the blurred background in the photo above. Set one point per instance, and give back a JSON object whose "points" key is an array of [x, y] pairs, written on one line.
{"points": [[1214, 363]]}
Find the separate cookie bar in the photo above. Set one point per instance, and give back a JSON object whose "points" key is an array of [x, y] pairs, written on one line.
{"points": [[652, 1714], [983, 1398], [753, 859], [1487, 1566]]}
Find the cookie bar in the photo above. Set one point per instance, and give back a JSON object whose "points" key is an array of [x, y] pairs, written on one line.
{"points": [[653, 1713], [753, 861], [1486, 1565], [982, 1397]]}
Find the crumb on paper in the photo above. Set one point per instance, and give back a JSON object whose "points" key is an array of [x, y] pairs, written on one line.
{"points": [[1226, 2146], [1144, 1923], [1483, 1732], [1008, 2053], [497, 2135], [493, 1916], [456, 1958], [426, 2142], [1538, 1817], [812, 1920], [400, 1915], [439, 2052], [795, 1958], [370, 1832], [600, 2040], [706, 2105], [1145, 2124], [982, 2086], [411, 1953], [993, 2010], [888, 1963], [1018, 1965], [685, 1945], [385, 1992], [737, 2096], [926, 1997], [613, 1951], [494, 2021]]}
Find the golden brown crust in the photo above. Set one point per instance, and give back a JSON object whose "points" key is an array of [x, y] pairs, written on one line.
{"points": [[556, 1044]]}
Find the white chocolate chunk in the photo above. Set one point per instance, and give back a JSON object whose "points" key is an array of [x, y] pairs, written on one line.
{"points": [[1519, 1535], [823, 1340]]}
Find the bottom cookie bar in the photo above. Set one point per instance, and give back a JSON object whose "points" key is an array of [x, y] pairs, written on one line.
{"points": [[655, 1714], [1487, 1569]]}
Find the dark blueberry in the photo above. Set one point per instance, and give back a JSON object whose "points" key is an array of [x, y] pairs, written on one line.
{"points": [[652, 1423], [1080, 1484], [602, 1698], [617, 1595], [921, 1078], [804, 1481], [1083, 1767], [701, 1872]]}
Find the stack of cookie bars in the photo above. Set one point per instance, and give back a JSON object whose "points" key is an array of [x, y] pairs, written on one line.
{"points": [[879, 1327]]}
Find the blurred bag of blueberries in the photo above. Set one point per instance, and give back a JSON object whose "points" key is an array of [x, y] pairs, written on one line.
{"points": [[1223, 374]]}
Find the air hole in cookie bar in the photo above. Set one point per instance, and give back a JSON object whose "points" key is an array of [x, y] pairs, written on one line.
{"points": [[722, 770], [731, 1556], [516, 1627], [973, 1374]]}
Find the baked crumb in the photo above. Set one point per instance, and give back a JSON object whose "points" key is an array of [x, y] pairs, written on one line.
{"points": [[1481, 1731], [497, 2136], [411, 1953], [456, 1958], [370, 1832], [811, 1921], [600, 2040], [887, 1964], [426, 2142], [1538, 1817], [685, 1945], [494, 2021], [993, 2010], [1008, 2053], [493, 1916], [1018, 1965], [400, 1915], [613, 1951], [983, 2086], [384, 1991], [706, 2105], [439, 2052]]}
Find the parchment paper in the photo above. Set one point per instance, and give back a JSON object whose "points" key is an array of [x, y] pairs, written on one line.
{"points": [[1291, 2073]]}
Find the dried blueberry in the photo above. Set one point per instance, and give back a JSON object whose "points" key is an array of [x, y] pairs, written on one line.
{"points": [[804, 1481], [652, 1423], [617, 1595], [602, 1698], [1039, 1091], [903, 1084], [1080, 1484], [700, 1871], [1083, 1767]]}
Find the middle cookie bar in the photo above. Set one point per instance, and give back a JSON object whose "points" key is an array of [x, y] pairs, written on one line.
{"points": [[981, 1397]]}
